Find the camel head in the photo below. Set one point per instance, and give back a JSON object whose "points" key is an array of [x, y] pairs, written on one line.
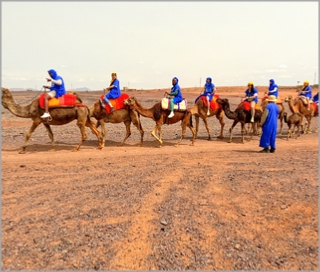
{"points": [[222, 101], [130, 102], [289, 98], [6, 95]]}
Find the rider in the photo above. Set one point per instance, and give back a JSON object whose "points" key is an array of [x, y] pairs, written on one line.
{"points": [[209, 91], [113, 93], [57, 89], [273, 88], [316, 98], [175, 94], [251, 97], [306, 92]]}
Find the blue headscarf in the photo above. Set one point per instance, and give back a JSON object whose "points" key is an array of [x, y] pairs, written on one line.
{"points": [[176, 80], [272, 81], [54, 73], [208, 84]]}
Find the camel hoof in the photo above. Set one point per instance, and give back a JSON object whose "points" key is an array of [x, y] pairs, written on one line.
{"points": [[52, 150], [191, 144], [75, 150], [220, 137], [22, 152]]}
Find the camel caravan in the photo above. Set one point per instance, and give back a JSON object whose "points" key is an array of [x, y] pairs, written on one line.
{"points": [[128, 109]]}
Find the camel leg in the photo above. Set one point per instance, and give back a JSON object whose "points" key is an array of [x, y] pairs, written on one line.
{"points": [[230, 130], [28, 135], [153, 133], [253, 129], [83, 135], [220, 117], [242, 132], [50, 136], [197, 124], [101, 123], [207, 127], [93, 127], [128, 131], [193, 131], [281, 124], [184, 130], [137, 123], [289, 135]]}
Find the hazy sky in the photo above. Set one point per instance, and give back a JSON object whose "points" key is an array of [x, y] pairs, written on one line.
{"points": [[149, 43]]}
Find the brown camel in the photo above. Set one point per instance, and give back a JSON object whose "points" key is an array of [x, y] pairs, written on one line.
{"points": [[239, 115], [60, 116], [160, 116], [122, 115], [303, 109], [293, 121], [263, 105], [200, 110]]}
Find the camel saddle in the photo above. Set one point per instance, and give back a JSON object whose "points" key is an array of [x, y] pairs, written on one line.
{"points": [[116, 103], [66, 100], [246, 106], [182, 106], [213, 103], [279, 100]]}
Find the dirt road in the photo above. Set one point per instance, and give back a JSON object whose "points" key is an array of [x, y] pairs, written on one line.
{"points": [[212, 206]]}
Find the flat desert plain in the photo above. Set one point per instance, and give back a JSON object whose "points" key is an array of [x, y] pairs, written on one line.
{"points": [[212, 206]]}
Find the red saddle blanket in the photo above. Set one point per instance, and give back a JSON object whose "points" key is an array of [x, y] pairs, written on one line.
{"points": [[66, 100], [246, 106], [213, 103], [117, 103], [315, 108]]}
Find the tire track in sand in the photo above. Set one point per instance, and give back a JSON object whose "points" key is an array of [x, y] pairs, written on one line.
{"points": [[132, 253]]}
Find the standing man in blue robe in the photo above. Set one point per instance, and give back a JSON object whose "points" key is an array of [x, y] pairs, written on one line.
{"points": [[269, 123]]}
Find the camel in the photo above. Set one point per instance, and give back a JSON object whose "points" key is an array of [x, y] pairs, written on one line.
{"points": [[303, 109], [293, 121], [60, 116], [263, 105], [160, 116], [239, 115], [200, 110], [122, 115]]}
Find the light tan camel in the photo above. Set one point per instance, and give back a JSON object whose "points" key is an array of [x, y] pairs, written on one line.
{"points": [[263, 105], [303, 109], [122, 115], [60, 116], [160, 116], [200, 110], [293, 121]]}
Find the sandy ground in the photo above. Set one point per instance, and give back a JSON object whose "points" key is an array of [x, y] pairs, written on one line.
{"points": [[212, 206]]}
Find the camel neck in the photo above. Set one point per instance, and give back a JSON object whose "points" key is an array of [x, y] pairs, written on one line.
{"points": [[17, 110], [230, 114], [144, 112]]}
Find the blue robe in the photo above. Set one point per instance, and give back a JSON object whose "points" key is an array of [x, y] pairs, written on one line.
{"points": [[60, 89], [269, 128], [176, 91], [115, 91], [273, 90]]}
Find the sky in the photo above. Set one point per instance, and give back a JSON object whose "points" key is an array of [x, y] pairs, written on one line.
{"points": [[149, 43]]}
